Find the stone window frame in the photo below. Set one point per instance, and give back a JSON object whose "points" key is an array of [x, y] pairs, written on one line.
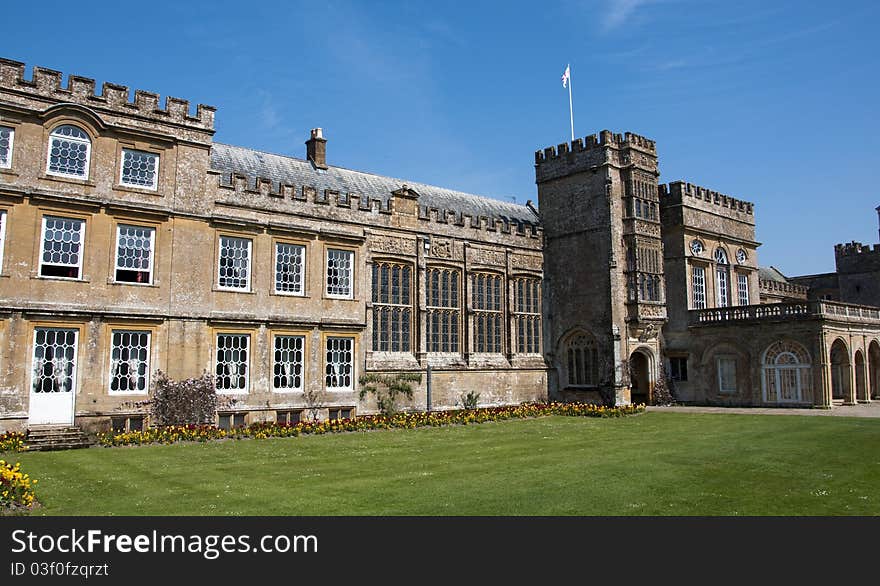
{"points": [[519, 315], [251, 336], [123, 149], [304, 284], [678, 373], [455, 311], [801, 368], [117, 224], [112, 329], [84, 234], [352, 251], [325, 340], [742, 288], [77, 354], [405, 308], [723, 287], [7, 162], [485, 307], [89, 141], [589, 358], [693, 286], [219, 243], [306, 349]]}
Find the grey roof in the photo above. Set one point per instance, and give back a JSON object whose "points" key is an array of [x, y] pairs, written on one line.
{"points": [[280, 169], [771, 273]]}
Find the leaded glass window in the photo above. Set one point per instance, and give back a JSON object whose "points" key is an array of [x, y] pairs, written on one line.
{"points": [[139, 169], [340, 270], [287, 364], [234, 263], [69, 152], [339, 364], [61, 249], [134, 254], [130, 361], [7, 135], [486, 298], [443, 311], [527, 315], [290, 262], [583, 361], [699, 287], [742, 287], [231, 370], [392, 307], [54, 367]]}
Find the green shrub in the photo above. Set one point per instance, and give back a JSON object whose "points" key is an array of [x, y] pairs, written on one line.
{"points": [[469, 400], [192, 401], [387, 388]]}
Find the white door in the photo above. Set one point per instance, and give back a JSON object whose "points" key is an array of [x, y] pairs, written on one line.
{"points": [[53, 378]]}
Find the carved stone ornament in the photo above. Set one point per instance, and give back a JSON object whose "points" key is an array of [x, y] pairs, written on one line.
{"points": [[487, 257], [392, 244], [527, 261], [441, 248]]}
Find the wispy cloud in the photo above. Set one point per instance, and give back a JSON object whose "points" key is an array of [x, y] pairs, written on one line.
{"points": [[618, 11]]}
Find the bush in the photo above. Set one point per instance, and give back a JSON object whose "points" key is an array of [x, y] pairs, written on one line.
{"points": [[387, 388], [16, 488], [662, 394], [192, 401], [469, 400]]}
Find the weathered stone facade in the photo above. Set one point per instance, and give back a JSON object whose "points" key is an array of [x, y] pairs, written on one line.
{"points": [[131, 242], [209, 202]]}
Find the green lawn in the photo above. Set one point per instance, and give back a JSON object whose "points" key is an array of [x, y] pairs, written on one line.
{"points": [[651, 464]]}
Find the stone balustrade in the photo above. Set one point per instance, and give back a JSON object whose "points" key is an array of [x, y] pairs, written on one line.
{"points": [[829, 310]]}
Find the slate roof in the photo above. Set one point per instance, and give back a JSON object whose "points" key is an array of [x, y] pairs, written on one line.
{"points": [[277, 168], [771, 273]]}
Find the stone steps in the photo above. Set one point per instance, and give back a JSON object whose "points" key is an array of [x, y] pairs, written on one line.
{"points": [[43, 439]]}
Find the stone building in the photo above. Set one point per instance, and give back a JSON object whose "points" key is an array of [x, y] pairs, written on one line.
{"points": [[131, 242]]}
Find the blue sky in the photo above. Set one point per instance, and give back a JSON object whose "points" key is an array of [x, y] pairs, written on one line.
{"points": [[771, 102]]}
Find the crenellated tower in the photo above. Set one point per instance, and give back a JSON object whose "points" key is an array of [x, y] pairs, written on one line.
{"points": [[604, 276]]}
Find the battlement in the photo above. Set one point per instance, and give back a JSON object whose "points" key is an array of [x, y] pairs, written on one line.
{"points": [[267, 194], [47, 83], [677, 191], [855, 248], [593, 141]]}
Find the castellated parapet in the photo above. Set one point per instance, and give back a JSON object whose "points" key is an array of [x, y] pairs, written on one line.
{"points": [[589, 153], [680, 192], [46, 86], [855, 257]]}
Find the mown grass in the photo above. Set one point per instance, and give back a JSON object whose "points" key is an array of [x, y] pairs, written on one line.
{"points": [[650, 464]]}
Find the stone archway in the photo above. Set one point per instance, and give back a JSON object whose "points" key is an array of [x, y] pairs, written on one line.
{"points": [[861, 386], [840, 371], [641, 383], [874, 369]]}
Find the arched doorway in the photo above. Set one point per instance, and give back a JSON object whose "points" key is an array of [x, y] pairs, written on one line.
{"points": [[787, 373], [640, 377], [840, 371], [874, 369], [861, 387]]}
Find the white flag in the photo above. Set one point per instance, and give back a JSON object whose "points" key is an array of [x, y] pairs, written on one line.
{"points": [[566, 76]]}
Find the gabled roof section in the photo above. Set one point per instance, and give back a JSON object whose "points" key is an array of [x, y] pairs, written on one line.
{"points": [[290, 170]]}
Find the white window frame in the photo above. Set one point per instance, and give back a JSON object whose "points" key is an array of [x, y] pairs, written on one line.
{"points": [[116, 266], [250, 247], [302, 281], [247, 363], [122, 181], [75, 360], [350, 340], [718, 364], [110, 378], [82, 248], [8, 163], [722, 278], [3, 216], [88, 142], [742, 288], [698, 287], [302, 375], [350, 294]]}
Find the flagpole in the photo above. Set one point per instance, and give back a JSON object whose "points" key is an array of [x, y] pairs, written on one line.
{"points": [[570, 110]]}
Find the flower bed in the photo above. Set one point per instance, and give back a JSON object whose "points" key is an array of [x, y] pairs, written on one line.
{"points": [[16, 488], [201, 433], [11, 441]]}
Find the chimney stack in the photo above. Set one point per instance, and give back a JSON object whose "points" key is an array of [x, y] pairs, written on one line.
{"points": [[316, 149]]}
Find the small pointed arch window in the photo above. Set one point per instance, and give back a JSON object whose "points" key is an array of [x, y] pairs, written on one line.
{"points": [[69, 151]]}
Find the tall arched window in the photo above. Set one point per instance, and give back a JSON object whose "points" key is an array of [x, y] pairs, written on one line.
{"points": [[722, 277], [583, 361], [69, 151], [787, 373]]}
